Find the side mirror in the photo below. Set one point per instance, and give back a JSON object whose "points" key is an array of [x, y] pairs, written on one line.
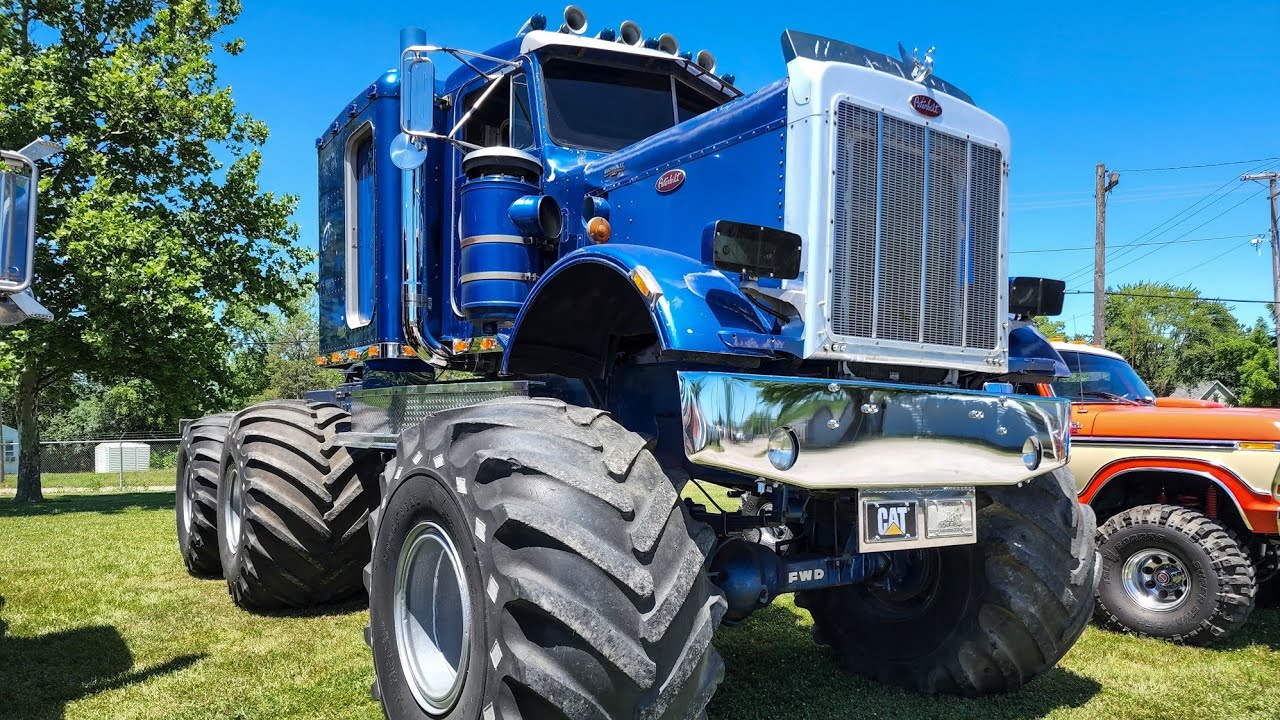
{"points": [[417, 93], [1031, 296], [18, 182]]}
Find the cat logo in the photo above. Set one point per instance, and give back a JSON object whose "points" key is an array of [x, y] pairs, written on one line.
{"points": [[891, 520]]}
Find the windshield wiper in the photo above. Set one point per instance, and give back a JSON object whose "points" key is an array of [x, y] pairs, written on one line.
{"points": [[1108, 396]]}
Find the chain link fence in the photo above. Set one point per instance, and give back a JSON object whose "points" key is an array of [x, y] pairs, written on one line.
{"points": [[134, 461]]}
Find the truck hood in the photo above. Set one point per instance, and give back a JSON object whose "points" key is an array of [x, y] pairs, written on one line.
{"points": [[1151, 421]]}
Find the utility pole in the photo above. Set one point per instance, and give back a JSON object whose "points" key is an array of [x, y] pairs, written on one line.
{"points": [[1271, 177], [1103, 184]]}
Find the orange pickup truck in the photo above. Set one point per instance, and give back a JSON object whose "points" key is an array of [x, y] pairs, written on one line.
{"points": [[1187, 495]]}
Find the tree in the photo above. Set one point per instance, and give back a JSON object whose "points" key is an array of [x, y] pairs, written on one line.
{"points": [[1166, 332], [1246, 363], [288, 361], [154, 234]]}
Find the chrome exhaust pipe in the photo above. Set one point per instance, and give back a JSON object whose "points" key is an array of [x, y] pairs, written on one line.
{"points": [[629, 34], [667, 43], [575, 21], [706, 60]]}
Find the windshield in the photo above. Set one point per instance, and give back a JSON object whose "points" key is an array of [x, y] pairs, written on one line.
{"points": [[1098, 377], [604, 107]]}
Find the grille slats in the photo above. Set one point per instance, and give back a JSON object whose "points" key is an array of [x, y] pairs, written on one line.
{"points": [[917, 233]]}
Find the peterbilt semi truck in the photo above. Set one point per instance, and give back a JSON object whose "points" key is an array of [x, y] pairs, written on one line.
{"points": [[582, 279]]}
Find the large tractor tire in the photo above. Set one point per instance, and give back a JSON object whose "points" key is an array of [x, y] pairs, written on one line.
{"points": [[197, 493], [984, 618], [532, 560], [293, 507], [1173, 574]]}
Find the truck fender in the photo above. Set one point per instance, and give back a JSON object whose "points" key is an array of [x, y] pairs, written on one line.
{"points": [[1258, 510], [590, 299]]}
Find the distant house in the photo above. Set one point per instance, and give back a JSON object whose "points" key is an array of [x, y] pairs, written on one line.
{"points": [[1212, 390]]}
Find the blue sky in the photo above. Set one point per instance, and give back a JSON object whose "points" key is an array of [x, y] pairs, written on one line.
{"points": [[1168, 84]]}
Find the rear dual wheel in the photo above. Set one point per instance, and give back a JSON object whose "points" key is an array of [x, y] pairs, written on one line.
{"points": [[197, 493], [293, 507]]}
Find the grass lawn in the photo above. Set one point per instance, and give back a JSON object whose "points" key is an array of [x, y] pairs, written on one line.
{"points": [[163, 477], [100, 620]]}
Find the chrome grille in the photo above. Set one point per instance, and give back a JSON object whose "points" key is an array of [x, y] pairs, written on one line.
{"points": [[917, 233]]}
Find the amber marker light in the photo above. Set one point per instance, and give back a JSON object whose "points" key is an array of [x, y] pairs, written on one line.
{"points": [[460, 346], [488, 344], [322, 360], [335, 357], [598, 230], [373, 351]]}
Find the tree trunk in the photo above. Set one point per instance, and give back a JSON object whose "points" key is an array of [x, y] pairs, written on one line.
{"points": [[28, 435]]}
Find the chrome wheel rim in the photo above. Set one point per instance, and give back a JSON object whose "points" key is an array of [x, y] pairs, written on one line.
{"points": [[233, 510], [432, 617], [186, 505], [1156, 580]]}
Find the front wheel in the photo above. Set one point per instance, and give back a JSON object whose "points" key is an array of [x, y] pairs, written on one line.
{"points": [[532, 560], [976, 619], [1173, 574]]}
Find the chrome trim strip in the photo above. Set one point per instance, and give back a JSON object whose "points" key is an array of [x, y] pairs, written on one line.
{"points": [[861, 434], [1155, 442], [516, 276], [485, 239]]}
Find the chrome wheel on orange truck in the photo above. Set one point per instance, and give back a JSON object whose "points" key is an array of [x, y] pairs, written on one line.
{"points": [[1172, 573]]}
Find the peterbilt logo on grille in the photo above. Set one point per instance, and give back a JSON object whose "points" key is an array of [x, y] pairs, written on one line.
{"points": [[670, 181], [926, 105]]}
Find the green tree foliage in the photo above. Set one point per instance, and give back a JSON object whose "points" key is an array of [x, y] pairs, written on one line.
{"points": [[1167, 335], [154, 234], [1246, 363], [280, 362]]}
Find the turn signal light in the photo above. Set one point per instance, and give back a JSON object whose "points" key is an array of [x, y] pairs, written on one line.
{"points": [[1255, 445], [599, 231]]}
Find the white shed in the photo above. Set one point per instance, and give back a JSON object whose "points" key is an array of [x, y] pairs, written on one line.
{"points": [[114, 457], [9, 439]]}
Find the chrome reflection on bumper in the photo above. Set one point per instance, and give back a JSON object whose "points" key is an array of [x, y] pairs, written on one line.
{"points": [[857, 434]]}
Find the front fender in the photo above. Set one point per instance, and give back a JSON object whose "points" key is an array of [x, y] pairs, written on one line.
{"points": [[588, 298], [1030, 353]]}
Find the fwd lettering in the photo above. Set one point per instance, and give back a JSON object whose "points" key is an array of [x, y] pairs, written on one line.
{"points": [[801, 576]]}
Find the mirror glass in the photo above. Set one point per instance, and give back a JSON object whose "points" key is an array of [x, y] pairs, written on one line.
{"points": [[16, 235], [417, 94]]}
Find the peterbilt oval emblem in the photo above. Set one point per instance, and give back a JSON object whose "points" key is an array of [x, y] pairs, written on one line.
{"points": [[670, 181], [926, 105]]}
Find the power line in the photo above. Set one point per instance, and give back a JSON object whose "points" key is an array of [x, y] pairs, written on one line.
{"points": [[1205, 165], [1206, 222], [1166, 242], [1156, 231], [1199, 265], [1111, 293]]}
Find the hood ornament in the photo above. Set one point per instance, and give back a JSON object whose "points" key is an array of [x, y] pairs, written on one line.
{"points": [[920, 69]]}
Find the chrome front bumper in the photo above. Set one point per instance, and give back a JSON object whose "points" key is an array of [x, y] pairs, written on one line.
{"points": [[859, 434]]}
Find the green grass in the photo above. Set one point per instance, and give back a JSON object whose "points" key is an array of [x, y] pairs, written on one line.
{"points": [[103, 622], [163, 477]]}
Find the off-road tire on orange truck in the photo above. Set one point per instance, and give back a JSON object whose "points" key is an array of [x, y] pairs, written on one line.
{"points": [[574, 583], [989, 617], [197, 493], [1221, 586], [293, 507]]}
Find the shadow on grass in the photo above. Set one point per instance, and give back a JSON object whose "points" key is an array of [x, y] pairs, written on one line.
{"points": [[1262, 628], [774, 669], [113, 503], [356, 603], [42, 674]]}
